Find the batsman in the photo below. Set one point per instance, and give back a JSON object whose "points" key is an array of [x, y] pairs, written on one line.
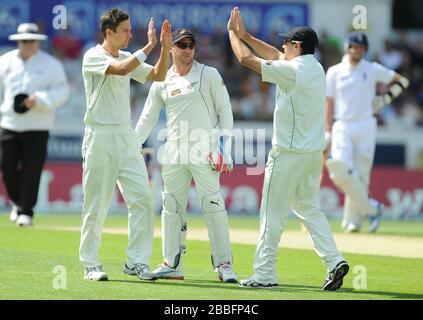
{"points": [[351, 127], [198, 143]]}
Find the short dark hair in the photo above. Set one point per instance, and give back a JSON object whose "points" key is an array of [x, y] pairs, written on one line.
{"points": [[111, 19], [307, 49]]}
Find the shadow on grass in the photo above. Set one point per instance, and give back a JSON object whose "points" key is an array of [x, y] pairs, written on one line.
{"points": [[283, 288]]}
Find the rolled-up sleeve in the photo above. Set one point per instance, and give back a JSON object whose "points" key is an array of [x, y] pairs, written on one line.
{"points": [[383, 74], [95, 62], [141, 72], [279, 72]]}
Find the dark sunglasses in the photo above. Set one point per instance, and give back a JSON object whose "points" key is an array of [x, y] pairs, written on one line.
{"points": [[292, 41], [184, 45], [27, 41]]}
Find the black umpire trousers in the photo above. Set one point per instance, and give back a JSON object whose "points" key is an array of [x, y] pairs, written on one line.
{"points": [[22, 159]]}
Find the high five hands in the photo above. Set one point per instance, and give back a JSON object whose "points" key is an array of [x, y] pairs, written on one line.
{"points": [[236, 24], [165, 35]]}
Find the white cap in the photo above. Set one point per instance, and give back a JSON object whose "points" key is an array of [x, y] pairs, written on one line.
{"points": [[28, 31]]}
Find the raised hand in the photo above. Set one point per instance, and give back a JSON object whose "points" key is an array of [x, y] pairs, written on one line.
{"points": [[166, 35], [239, 24], [231, 20], [151, 33]]}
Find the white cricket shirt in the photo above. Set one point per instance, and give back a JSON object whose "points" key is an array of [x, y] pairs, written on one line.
{"points": [[107, 96], [197, 100], [353, 88], [41, 75], [298, 121]]}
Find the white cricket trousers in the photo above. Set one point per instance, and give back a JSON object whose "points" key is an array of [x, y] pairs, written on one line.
{"points": [[292, 180], [111, 155], [177, 180], [354, 144]]}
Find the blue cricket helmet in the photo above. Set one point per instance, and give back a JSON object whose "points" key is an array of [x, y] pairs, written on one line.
{"points": [[358, 38]]}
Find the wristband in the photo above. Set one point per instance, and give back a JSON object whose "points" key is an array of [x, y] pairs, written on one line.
{"points": [[140, 55]]}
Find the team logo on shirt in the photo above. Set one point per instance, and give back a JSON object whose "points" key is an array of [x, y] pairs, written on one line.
{"points": [[175, 92]]}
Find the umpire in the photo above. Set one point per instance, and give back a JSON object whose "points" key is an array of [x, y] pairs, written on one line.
{"points": [[32, 85]]}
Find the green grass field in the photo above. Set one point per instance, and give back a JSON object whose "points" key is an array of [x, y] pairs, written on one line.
{"points": [[28, 257]]}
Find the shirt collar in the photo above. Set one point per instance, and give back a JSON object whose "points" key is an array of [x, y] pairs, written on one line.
{"points": [[35, 55], [172, 73], [349, 66], [100, 47]]}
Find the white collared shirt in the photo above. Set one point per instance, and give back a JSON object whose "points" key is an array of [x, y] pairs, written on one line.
{"points": [[298, 122], [108, 96], [353, 88], [41, 75]]}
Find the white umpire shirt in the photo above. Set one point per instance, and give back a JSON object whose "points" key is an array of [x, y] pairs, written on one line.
{"points": [[108, 96], [41, 75], [353, 88], [298, 122], [195, 103]]}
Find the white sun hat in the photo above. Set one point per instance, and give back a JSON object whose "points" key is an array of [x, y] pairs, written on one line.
{"points": [[28, 31]]}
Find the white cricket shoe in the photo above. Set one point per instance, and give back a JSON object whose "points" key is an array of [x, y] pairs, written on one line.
{"points": [[374, 220], [95, 274], [226, 274], [14, 214], [163, 271], [253, 283], [24, 220], [352, 228], [142, 271]]}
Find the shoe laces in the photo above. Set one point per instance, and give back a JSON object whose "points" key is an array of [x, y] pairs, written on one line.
{"points": [[96, 269], [140, 267], [251, 282], [225, 266]]}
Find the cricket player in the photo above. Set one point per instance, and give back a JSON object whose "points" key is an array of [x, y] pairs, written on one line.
{"points": [[351, 128], [294, 164], [110, 150], [198, 113]]}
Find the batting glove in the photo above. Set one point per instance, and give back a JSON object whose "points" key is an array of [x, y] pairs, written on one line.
{"points": [[221, 159], [378, 103]]}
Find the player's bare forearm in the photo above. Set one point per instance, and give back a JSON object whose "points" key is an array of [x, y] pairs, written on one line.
{"points": [[152, 39], [264, 50], [123, 67], [160, 69], [328, 131], [329, 113], [148, 48], [129, 64], [243, 54]]}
